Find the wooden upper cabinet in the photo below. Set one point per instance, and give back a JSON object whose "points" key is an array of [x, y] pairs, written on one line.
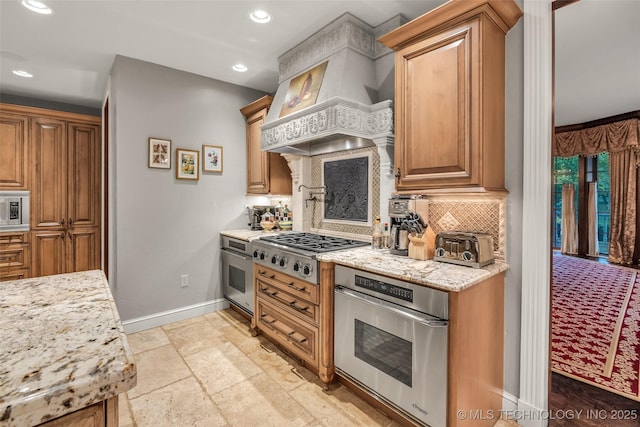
{"points": [[83, 174], [449, 106], [267, 173], [14, 159], [49, 180]]}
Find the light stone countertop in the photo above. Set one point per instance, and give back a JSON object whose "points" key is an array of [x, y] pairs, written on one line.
{"points": [[448, 277], [62, 347]]}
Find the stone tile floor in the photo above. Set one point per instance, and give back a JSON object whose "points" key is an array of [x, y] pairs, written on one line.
{"points": [[209, 371]]}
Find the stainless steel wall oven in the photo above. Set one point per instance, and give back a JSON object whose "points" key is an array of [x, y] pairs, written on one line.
{"points": [[237, 273], [391, 339]]}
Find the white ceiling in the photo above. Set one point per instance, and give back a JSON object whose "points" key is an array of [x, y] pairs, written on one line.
{"points": [[70, 52], [597, 63]]}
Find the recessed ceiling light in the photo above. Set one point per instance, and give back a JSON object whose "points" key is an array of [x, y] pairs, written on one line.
{"points": [[22, 73], [37, 6], [260, 16], [239, 68]]}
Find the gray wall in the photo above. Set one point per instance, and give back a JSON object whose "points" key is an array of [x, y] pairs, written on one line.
{"points": [[162, 227]]}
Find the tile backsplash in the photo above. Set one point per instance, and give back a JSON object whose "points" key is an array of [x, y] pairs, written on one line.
{"points": [[477, 213]]}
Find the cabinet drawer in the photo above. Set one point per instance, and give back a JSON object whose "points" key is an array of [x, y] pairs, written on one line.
{"points": [[296, 335], [291, 303], [17, 238], [14, 257], [291, 285], [7, 274]]}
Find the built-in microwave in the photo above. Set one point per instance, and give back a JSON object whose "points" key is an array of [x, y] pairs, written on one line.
{"points": [[14, 211]]}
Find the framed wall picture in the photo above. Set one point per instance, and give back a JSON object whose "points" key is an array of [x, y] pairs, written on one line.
{"points": [[159, 153], [211, 158], [187, 166]]}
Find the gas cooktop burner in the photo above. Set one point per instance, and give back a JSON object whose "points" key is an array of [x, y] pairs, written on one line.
{"points": [[312, 242]]}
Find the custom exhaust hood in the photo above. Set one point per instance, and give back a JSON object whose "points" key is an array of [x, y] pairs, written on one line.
{"points": [[329, 87]]}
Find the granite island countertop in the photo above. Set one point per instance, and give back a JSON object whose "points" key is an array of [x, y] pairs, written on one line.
{"points": [[440, 275], [63, 347]]}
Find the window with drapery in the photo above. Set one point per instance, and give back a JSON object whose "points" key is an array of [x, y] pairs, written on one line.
{"points": [[586, 181], [616, 142]]}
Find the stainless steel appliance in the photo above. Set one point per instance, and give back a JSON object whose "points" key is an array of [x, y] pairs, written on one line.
{"points": [[399, 208], [391, 339], [295, 253], [237, 273], [464, 248], [14, 211], [255, 216]]}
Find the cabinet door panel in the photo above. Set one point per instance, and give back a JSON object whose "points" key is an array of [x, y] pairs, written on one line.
{"points": [[13, 160], [83, 172], [83, 250], [257, 160], [437, 111], [48, 249], [49, 192]]}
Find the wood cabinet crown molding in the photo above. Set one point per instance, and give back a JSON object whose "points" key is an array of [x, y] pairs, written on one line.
{"points": [[255, 106], [54, 114], [505, 14]]}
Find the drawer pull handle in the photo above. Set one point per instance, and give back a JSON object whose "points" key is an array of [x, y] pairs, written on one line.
{"points": [[296, 339], [267, 319], [295, 288], [295, 307]]}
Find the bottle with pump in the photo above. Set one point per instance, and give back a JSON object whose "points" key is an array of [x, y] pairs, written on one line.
{"points": [[376, 236]]}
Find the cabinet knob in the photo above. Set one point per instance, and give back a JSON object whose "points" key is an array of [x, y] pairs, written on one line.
{"points": [[62, 221], [62, 235], [70, 222]]}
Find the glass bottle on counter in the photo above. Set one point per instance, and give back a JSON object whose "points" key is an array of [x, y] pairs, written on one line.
{"points": [[376, 236], [385, 236]]}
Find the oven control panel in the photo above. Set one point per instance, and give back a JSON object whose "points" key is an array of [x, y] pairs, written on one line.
{"points": [[384, 288]]}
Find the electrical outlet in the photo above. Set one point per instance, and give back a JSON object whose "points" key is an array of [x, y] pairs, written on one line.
{"points": [[184, 280]]}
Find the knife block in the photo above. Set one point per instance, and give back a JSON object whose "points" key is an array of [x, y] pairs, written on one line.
{"points": [[422, 246]]}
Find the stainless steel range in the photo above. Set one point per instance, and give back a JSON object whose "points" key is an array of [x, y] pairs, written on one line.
{"points": [[295, 253]]}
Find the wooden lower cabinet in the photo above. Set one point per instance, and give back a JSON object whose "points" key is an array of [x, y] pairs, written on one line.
{"points": [[65, 251], [15, 255], [102, 414], [298, 316], [83, 249]]}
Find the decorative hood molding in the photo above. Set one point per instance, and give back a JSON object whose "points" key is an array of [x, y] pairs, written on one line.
{"points": [[336, 124], [347, 113]]}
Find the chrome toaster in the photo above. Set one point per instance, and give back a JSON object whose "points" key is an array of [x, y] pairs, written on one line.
{"points": [[464, 248]]}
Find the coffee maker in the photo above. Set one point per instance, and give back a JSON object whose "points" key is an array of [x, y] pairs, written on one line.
{"points": [[399, 207]]}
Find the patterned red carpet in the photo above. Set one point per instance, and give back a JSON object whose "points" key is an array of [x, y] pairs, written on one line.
{"points": [[595, 326]]}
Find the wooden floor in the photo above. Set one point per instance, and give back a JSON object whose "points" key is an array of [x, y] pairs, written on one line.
{"points": [[573, 403]]}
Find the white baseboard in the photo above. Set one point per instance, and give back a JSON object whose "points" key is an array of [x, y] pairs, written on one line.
{"points": [[509, 402], [165, 317]]}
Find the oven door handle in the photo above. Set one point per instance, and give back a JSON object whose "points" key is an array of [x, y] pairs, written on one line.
{"points": [[431, 322], [236, 254]]}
